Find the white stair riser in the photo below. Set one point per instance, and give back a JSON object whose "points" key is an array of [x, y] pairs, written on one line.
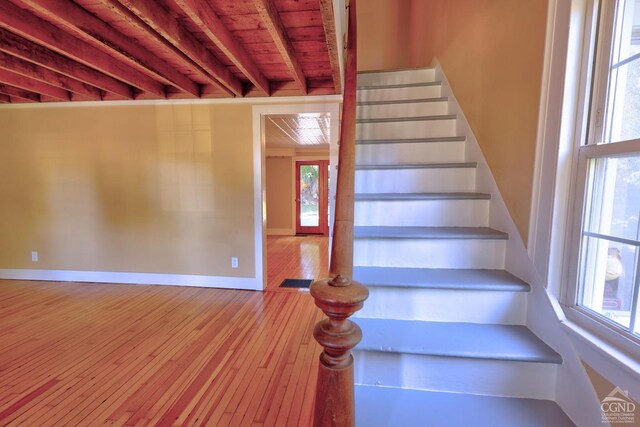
{"points": [[397, 77], [441, 305], [458, 375], [432, 213], [399, 93], [414, 109], [407, 129], [429, 180], [430, 253], [408, 153]]}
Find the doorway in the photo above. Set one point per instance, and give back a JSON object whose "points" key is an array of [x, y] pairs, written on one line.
{"points": [[312, 197]]}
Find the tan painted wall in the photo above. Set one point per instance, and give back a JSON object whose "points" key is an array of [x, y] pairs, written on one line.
{"points": [[603, 388], [492, 52], [149, 189], [383, 34], [279, 178]]}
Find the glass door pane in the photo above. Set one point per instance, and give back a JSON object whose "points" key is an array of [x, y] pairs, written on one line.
{"points": [[309, 198]]}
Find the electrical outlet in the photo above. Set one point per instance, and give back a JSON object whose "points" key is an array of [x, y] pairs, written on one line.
{"points": [[34, 256], [234, 262]]}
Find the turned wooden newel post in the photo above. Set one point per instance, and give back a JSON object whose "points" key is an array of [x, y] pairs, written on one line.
{"points": [[338, 298]]}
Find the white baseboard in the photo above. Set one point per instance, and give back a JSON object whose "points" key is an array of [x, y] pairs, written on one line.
{"points": [[245, 283], [281, 232]]}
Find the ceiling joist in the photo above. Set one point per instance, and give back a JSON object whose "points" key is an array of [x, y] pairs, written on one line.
{"points": [[26, 83], [276, 28], [205, 17], [156, 17], [93, 30], [79, 50], [39, 31]]}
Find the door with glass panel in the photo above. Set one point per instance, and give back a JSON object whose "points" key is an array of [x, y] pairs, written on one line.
{"points": [[312, 197]]}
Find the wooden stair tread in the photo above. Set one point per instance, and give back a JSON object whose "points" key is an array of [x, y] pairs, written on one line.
{"points": [[449, 165], [421, 196], [391, 407], [440, 278], [452, 339], [412, 232], [412, 140]]}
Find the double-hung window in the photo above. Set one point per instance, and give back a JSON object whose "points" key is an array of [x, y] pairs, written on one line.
{"points": [[607, 215]]}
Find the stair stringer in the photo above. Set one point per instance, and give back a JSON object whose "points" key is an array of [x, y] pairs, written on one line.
{"points": [[573, 392]]}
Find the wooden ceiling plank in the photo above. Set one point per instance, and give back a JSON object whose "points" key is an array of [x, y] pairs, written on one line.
{"points": [[28, 25], [26, 83], [14, 92], [273, 23], [32, 52], [160, 20], [202, 14], [88, 26], [329, 24], [5, 99], [28, 69]]}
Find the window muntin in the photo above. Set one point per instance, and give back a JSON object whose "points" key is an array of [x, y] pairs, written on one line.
{"points": [[619, 119]]}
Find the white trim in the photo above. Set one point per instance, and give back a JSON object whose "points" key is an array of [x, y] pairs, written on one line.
{"points": [[549, 129], [573, 390], [246, 283], [616, 366], [212, 101]]}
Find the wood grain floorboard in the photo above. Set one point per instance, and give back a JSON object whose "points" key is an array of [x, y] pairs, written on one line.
{"points": [[83, 354]]}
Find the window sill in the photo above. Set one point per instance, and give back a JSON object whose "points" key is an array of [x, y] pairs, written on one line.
{"points": [[616, 358]]}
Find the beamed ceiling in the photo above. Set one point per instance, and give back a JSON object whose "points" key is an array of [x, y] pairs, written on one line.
{"points": [[88, 50]]}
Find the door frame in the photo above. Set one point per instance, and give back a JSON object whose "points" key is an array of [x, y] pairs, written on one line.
{"points": [[323, 197], [329, 104]]}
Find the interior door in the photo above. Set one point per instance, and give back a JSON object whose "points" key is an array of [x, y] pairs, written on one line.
{"points": [[312, 197]]}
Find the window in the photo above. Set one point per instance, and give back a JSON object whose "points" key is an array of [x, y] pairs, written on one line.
{"points": [[608, 260]]}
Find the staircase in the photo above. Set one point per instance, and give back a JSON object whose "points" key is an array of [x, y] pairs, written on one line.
{"points": [[444, 337]]}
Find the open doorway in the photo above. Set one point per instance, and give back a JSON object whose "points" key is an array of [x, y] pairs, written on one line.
{"points": [[297, 162]]}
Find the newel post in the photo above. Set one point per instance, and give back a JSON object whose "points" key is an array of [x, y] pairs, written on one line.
{"points": [[338, 298]]}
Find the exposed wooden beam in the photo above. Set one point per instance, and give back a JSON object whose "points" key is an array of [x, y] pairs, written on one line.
{"points": [[273, 23], [202, 14], [161, 20], [26, 83], [90, 28], [28, 25], [329, 24], [32, 52], [14, 92], [123, 14], [28, 69], [5, 99]]}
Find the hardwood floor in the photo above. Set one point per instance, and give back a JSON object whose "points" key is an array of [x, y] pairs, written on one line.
{"points": [[296, 257], [95, 354]]}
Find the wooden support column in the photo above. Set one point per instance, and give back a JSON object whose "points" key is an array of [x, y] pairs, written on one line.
{"points": [[339, 296]]}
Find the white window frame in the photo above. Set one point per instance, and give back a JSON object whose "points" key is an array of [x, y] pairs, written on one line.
{"points": [[558, 196]]}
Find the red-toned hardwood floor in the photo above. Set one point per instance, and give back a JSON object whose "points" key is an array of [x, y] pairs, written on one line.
{"points": [[296, 257], [94, 354]]}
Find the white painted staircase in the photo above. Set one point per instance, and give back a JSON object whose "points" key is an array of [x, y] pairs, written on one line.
{"points": [[444, 337]]}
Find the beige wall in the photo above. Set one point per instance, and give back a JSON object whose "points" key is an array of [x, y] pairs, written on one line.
{"points": [[492, 52], [148, 189], [384, 34], [603, 388], [279, 178]]}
